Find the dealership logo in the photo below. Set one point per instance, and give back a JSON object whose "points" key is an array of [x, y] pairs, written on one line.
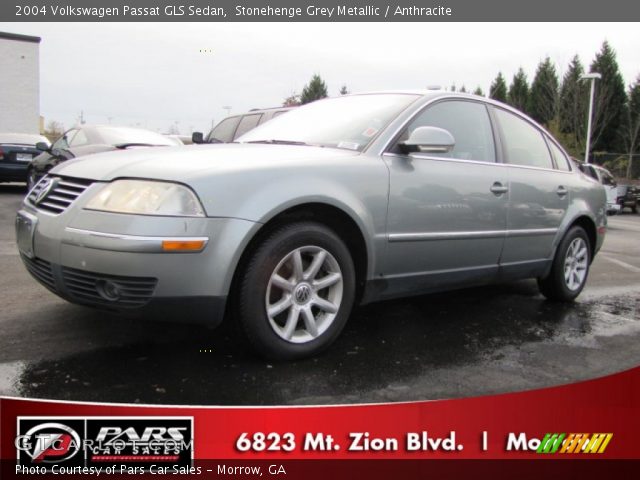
{"points": [[51, 443], [560, 443], [91, 441]]}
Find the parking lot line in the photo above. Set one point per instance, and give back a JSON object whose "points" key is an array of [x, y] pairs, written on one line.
{"points": [[626, 265]]}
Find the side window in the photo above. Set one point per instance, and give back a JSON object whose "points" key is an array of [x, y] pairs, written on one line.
{"points": [[223, 132], [523, 142], [469, 124], [79, 139], [65, 140], [562, 162], [247, 123]]}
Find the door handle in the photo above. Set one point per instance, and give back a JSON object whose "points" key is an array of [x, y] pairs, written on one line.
{"points": [[498, 188], [562, 191]]}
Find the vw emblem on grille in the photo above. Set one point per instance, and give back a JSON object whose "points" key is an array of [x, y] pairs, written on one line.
{"points": [[302, 293], [47, 185]]}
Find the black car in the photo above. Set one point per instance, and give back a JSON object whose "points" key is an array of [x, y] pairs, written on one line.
{"points": [[237, 125], [16, 151], [88, 139]]}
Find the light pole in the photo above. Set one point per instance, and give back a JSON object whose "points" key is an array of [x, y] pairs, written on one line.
{"points": [[593, 77]]}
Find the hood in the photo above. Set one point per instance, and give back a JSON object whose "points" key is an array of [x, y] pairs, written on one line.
{"points": [[187, 162]]}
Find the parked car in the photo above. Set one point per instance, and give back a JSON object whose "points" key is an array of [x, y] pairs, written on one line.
{"points": [[629, 197], [235, 126], [604, 176], [16, 151], [343, 201], [88, 139]]}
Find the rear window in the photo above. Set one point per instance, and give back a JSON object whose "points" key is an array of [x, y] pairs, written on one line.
{"points": [[523, 142], [562, 162]]}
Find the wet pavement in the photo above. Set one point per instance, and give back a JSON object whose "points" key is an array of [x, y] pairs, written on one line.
{"points": [[456, 344]]}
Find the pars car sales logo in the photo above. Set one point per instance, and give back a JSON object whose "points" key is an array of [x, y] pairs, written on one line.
{"points": [[75, 442]]}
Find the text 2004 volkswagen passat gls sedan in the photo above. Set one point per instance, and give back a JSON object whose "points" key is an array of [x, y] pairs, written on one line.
{"points": [[346, 200]]}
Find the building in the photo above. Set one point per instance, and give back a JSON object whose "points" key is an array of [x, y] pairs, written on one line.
{"points": [[19, 83]]}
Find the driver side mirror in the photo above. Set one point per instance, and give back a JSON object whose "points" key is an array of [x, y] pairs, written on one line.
{"points": [[197, 137], [428, 140], [43, 146]]}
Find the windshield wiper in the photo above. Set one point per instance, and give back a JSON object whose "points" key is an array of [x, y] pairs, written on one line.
{"points": [[127, 145], [280, 142]]}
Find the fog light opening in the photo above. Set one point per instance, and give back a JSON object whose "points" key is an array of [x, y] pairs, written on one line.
{"points": [[108, 290]]}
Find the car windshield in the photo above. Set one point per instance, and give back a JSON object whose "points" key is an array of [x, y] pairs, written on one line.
{"points": [[349, 122], [132, 136]]}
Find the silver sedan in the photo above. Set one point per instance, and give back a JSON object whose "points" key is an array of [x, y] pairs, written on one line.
{"points": [[344, 201]]}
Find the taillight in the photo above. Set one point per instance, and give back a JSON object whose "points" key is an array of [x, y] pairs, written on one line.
{"points": [[1, 154]]}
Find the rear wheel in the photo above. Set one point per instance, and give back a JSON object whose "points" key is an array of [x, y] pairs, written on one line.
{"points": [[634, 208], [296, 291], [570, 268]]}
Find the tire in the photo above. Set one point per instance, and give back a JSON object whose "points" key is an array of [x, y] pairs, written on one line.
{"points": [[570, 267], [296, 291], [634, 208]]}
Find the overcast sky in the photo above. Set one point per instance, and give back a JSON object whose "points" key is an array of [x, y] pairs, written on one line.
{"points": [[155, 75]]}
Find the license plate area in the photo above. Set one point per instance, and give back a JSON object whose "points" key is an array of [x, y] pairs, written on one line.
{"points": [[25, 231], [23, 157]]}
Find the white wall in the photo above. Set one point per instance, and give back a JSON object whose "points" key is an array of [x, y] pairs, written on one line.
{"points": [[19, 86]]}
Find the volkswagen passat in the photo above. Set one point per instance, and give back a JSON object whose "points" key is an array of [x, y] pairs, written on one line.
{"points": [[344, 201]]}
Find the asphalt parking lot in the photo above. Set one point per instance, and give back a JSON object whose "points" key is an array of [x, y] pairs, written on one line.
{"points": [[464, 343]]}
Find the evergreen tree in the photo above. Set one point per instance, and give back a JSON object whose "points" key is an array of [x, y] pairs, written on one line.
{"points": [[543, 98], [314, 90], [573, 106], [609, 101], [463, 89], [631, 130], [498, 90], [343, 90], [478, 91], [453, 87], [518, 96]]}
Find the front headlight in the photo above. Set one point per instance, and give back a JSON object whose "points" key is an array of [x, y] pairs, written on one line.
{"points": [[147, 197]]}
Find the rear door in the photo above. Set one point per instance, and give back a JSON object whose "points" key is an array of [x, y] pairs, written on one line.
{"points": [[538, 193]]}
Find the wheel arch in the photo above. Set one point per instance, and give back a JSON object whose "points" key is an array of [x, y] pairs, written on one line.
{"points": [[338, 219]]}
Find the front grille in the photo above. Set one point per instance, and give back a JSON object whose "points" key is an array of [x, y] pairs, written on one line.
{"points": [[61, 193], [89, 287], [41, 270]]}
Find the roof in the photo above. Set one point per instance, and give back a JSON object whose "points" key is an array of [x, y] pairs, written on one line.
{"points": [[19, 37]]}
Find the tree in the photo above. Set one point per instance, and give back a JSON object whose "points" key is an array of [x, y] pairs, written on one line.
{"points": [[54, 130], [344, 90], [452, 88], [518, 96], [463, 89], [609, 102], [292, 100], [498, 90], [314, 90], [631, 130], [478, 91], [543, 98], [573, 106]]}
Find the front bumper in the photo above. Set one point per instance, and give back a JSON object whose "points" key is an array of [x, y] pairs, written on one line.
{"points": [[116, 261]]}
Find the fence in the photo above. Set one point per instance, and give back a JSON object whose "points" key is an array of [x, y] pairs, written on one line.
{"points": [[617, 163]]}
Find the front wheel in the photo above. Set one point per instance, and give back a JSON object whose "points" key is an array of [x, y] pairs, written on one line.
{"points": [[296, 291], [570, 268]]}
